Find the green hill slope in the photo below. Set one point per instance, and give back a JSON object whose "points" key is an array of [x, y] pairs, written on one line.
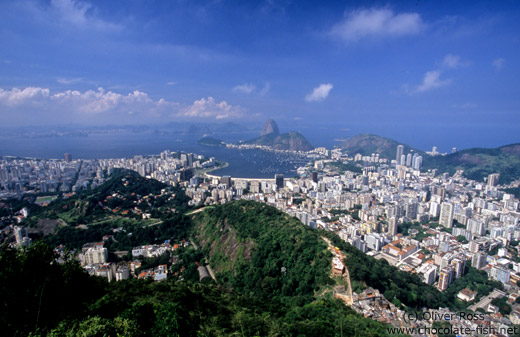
{"points": [[257, 249], [478, 163], [248, 244]]}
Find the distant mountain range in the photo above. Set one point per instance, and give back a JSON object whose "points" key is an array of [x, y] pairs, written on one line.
{"points": [[270, 136], [477, 163]]}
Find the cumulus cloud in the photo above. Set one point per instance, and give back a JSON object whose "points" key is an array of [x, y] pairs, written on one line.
{"points": [[101, 106], [431, 81], [210, 108], [319, 93], [451, 61], [376, 22], [17, 96], [498, 63], [244, 88], [95, 102]]}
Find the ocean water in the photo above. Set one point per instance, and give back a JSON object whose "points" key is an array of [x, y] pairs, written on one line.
{"points": [[242, 163]]}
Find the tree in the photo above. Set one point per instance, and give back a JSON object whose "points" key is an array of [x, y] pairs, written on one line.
{"points": [[462, 239]]}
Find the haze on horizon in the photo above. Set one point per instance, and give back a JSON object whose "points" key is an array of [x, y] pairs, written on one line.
{"points": [[399, 69]]}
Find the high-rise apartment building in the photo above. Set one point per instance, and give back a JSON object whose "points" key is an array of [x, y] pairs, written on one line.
{"points": [[446, 217], [400, 152]]}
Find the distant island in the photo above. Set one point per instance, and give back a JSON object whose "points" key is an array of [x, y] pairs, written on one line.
{"points": [[270, 136], [210, 141]]}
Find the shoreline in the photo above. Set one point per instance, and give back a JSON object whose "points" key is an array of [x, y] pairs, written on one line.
{"points": [[226, 164], [212, 176], [205, 171]]}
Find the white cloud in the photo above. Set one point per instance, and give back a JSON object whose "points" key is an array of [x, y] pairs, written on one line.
{"points": [[244, 88], [100, 106], [171, 83], [265, 89], [498, 63], [382, 22], [431, 81], [451, 61], [100, 101], [210, 108], [319, 93], [17, 96], [63, 80]]}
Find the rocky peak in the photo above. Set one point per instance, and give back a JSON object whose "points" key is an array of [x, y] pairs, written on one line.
{"points": [[270, 127]]}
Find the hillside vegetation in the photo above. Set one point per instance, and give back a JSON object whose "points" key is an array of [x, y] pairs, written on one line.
{"points": [[478, 163], [115, 208], [259, 250], [43, 298]]}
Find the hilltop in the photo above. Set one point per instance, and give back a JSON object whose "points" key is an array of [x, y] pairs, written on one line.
{"points": [[258, 249], [270, 136], [120, 202], [270, 126], [366, 144]]}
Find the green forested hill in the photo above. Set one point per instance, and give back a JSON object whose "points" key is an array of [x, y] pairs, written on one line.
{"points": [[259, 250], [42, 298], [249, 243], [478, 163], [254, 295], [115, 208], [124, 190]]}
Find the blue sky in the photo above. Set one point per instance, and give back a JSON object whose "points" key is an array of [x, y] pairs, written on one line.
{"points": [[403, 69]]}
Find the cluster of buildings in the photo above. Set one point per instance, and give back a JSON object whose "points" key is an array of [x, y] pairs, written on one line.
{"points": [[94, 258], [25, 176], [22, 176]]}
